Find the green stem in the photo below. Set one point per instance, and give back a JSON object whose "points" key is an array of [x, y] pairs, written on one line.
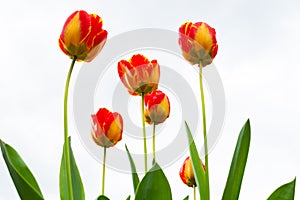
{"points": [[144, 133], [204, 126], [153, 143], [103, 171], [67, 153], [194, 188]]}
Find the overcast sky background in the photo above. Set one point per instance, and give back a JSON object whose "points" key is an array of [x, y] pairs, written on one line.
{"points": [[258, 61]]}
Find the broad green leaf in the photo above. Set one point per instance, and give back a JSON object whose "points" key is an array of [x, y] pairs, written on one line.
{"points": [[128, 198], [238, 164], [22, 177], [154, 186], [135, 177], [102, 197], [284, 192], [186, 198], [78, 190], [197, 167]]}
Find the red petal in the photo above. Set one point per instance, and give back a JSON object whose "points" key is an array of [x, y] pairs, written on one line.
{"points": [[214, 51], [109, 118], [193, 30], [154, 98], [122, 65], [181, 172], [96, 35], [101, 117], [62, 46], [99, 37], [96, 21], [185, 36], [138, 59], [185, 28], [85, 24], [66, 24]]}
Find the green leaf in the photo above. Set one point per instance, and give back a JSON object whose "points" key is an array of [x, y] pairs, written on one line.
{"points": [[154, 186], [135, 177], [186, 198], [102, 197], [78, 190], [238, 164], [284, 192], [22, 177], [197, 167], [128, 198]]}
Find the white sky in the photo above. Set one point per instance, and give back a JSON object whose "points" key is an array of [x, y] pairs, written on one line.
{"points": [[258, 61]]}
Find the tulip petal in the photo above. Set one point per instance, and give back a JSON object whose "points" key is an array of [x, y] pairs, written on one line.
{"points": [[76, 28], [138, 59], [62, 46], [114, 132], [96, 31]]}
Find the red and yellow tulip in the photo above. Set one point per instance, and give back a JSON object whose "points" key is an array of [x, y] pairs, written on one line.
{"points": [[198, 43], [157, 107], [139, 75], [107, 127], [82, 36], [187, 174]]}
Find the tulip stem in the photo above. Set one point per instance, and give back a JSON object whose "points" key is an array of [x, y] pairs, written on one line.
{"points": [[194, 188], [204, 126], [144, 133], [153, 143], [103, 170], [66, 146]]}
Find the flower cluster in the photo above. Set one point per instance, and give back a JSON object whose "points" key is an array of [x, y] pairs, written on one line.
{"points": [[82, 38]]}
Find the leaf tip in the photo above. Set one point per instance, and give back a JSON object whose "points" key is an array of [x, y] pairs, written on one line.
{"points": [[248, 120], [247, 127]]}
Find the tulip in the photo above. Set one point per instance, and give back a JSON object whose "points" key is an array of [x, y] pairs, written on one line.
{"points": [[157, 107], [82, 36], [198, 43], [107, 128], [139, 75], [187, 174]]}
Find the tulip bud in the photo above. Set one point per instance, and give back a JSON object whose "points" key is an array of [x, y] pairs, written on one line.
{"points": [[157, 107], [139, 75], [107, 127], [187, 174], [82, 36], [198, 43]]}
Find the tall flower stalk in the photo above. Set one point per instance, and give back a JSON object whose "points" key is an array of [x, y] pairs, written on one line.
{"points": [[103, 170], [144, 133], [153, 144], [204, 123], [66, 134], [82, 38]]}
